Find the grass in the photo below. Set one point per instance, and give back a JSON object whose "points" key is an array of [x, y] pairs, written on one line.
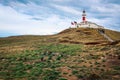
{"points": [[51, 75], [44, 58], [63, 79], [26, 64], [74, 72], [116, 67], [66, 49]]}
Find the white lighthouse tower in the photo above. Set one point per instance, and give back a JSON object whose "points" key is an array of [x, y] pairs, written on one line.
{"points": [[84, 17]]}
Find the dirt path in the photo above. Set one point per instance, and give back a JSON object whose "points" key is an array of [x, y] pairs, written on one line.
{"points": [[108, 38]]}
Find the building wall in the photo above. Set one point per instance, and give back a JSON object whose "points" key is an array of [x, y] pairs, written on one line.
{"points": [[86, 25], [89, 25]]}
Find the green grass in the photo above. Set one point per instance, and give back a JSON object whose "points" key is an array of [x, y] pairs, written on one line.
{"points": [[51, 75], [46, 60], [61, 48], [25, 65], [62, 79], [116, 67]]}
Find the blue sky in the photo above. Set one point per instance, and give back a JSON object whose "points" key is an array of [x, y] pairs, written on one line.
{"points": [[43, 17]]}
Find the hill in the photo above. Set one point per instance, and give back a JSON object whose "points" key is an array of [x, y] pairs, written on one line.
{"points": [[73, 54], [87, 35]]}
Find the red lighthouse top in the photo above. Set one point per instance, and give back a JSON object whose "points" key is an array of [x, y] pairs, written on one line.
{"points": [[83, 16]]}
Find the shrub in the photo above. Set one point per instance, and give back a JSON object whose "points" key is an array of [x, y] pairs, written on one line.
{"points": [[50, 57], [35, 72], [96, 63], [104, 65], [51, 75], [116, 67], [28, 66], [74, 72], [102, 70], [80, 76], [97, 68], [91, 65], [65, 73], [90, 62], [62, 79], [58, 58], [94, 77], [91, 56], [103, 60], [32, 78], [80, 61]]}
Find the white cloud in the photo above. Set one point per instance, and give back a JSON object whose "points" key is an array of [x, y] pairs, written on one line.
{"points": [[19, 23], [47, 18], [62, 1], [67, 9]]}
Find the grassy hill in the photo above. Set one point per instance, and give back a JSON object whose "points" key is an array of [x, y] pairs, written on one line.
{"points": [[63, 56], [86, 35]]}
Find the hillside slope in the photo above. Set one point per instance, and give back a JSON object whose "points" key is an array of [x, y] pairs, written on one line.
{"points": [[78, 35], [72, 35], [87, 35], [53, 57]]}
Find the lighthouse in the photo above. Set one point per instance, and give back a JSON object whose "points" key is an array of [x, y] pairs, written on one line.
{"points": [[84, 23], [83, 16]]}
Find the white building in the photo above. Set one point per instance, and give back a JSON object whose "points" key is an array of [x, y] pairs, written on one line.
{"points": [[85, 23], [88, 24]]}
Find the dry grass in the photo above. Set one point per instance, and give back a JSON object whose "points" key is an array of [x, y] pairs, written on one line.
{"points": [[86, 35], [75, 60]]}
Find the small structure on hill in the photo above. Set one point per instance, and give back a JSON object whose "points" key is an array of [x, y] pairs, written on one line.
{"points": [[85, 23], [84, 17]]}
